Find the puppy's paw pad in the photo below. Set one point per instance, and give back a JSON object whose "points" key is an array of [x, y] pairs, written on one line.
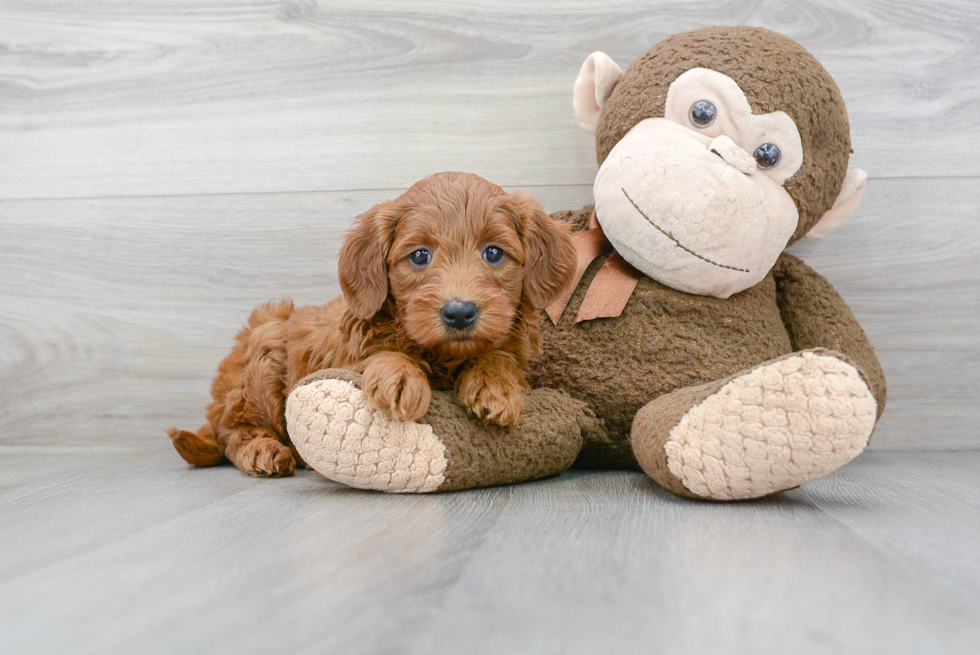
{"points": [[344, 437], [774, 428]]}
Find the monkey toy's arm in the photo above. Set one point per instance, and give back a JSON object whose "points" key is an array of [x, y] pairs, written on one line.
{"points": [[817, 317]]}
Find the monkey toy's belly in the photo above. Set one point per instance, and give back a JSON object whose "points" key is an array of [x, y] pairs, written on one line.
{"points": [[664, 340]]}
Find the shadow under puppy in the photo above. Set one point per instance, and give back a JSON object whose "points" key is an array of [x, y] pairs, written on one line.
{"points": [[442, 288]]}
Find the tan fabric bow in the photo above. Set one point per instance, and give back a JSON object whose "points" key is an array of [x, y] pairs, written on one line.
{"points": [[612, 285]]}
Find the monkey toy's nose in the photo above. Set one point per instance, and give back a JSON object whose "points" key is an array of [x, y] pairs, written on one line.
{"points": [[459, 315], [734, 156]]}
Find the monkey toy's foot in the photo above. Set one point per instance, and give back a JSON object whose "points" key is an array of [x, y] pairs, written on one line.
{"points": [[768, 429], [340, 434]]}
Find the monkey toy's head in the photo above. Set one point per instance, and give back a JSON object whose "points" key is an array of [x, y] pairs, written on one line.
{"points": [[717, 148]]}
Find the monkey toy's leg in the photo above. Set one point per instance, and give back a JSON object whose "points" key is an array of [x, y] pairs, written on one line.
{"points": [[343, 437], [817, 317], [778, 425], [771, 428]]}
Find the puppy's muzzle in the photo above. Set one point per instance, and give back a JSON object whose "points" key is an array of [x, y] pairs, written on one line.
{"points": [[459, 314]]}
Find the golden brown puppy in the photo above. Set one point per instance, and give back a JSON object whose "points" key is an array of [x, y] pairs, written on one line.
{"points": [[442, 286]]}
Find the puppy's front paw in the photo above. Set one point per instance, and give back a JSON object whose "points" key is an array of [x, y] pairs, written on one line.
{"points": [[492, 396], [399, 387]]}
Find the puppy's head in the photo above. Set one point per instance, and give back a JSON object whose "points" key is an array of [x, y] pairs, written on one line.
{"points": [[461, 259]]}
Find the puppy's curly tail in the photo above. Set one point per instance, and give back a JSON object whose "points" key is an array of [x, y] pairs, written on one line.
{"points": [[200, 449]]}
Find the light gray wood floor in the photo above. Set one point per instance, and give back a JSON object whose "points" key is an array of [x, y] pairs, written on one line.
{"points": [[166, 165], [121, 551]]}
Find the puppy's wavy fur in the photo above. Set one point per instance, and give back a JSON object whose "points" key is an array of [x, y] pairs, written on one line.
{"points": [[388, 324]]}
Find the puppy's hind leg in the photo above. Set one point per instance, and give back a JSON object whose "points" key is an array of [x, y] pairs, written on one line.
{"points": [[258, 452], [247, 412], [201, 449]]}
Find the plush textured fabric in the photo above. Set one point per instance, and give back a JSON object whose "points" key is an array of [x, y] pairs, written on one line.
{"points": [[664, 340], [652, 427], [773, 428], [339, 433], [776, 73], [545, 443], [343, 437], [816, 316], [667, 340]]}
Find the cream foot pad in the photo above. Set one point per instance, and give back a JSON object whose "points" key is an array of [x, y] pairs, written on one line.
{"points": [[340, 434], [774, 428]]}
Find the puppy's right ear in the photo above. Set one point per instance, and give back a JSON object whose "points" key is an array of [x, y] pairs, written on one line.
{"points": [[364, 259]]}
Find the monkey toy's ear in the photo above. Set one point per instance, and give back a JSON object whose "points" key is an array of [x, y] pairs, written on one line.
{"points": [[595, 81], [847, 201]]}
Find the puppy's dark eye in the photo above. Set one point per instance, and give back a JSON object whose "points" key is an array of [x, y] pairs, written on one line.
{"points": [[493, 255], [703, 113], [420, 257], [766, 155]]}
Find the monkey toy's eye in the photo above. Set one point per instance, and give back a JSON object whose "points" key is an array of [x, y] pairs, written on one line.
{"points": [[766, 155], [420, 257], [493, 255], [703, 113]]}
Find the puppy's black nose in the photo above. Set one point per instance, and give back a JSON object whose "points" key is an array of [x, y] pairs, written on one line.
{"points": [[459, 315]]}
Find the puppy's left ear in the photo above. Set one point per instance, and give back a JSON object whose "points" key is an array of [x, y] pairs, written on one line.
{"points": [[549, 254]]}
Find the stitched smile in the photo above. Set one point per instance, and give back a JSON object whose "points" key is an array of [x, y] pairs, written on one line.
{"points": [[678, 243]]}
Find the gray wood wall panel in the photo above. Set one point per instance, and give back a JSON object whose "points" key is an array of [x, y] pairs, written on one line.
{"points": [[108, 98]]}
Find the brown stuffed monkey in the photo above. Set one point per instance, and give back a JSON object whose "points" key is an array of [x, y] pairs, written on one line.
{"points": [[693, 347]]}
